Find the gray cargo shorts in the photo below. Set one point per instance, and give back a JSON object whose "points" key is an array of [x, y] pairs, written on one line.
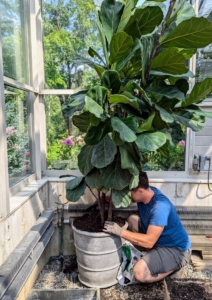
{"points": [[163, 259]]}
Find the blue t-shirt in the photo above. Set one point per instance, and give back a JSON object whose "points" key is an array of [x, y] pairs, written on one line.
{"points": [[161, 212]]}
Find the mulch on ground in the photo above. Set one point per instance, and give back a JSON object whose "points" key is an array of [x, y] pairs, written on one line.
{"points": [[192, 289]]}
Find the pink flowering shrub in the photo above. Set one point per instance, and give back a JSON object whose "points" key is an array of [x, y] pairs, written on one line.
{"points": [[181, 143], [68, 142]]}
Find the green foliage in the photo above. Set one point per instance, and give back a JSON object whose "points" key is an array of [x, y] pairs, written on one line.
{"points": [[140, 118], [59, 155], [167, 159], [69, 30], [62, 154], [17, 135]]}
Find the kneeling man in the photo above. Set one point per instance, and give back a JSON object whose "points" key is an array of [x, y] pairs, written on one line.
{"points": [[158, 229]]}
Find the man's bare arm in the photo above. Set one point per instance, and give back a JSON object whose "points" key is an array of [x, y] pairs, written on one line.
{"points": [[147, 240]]}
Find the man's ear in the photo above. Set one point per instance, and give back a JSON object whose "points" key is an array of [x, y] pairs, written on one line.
{"points": [[140, 190]]}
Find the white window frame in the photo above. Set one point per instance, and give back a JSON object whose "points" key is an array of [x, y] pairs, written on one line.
{"points": [[34, 105]]}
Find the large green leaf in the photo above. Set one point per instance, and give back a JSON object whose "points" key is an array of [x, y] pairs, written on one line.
{"points": [[118, 98], [192, 33], [125, 59], [167, 91], [169, 61], [180, 12], [178, 76], [72, 184], [154, 3], [127, 161], [150, 141], [145, 56], [144, 21], [93, 179], [103, 41], [182, 85], [116, 138], [120, 46], [111, 80], [82, 121], [103, 153], [147, 124], [147, 44], [186, 12], [187, 53], [143, 93], [177, 7], [99, 95], [84, 159], [200, 90], [94, 121], [99, 69], [129, 6], [93, 107], [134, 182], [164, 114], [75, 194], [111, 12], [198, 111], [96, 133], [132, 123], [75, 103], [121, 198], [131, 111], [126, 134], [189, 119], [113, 176], [134, 151]]}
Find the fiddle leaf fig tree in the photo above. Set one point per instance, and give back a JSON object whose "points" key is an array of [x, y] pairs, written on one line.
{"points": [[143, 95]]}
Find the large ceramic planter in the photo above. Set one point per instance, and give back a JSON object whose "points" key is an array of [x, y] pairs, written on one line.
{"points": [[98, 257]]}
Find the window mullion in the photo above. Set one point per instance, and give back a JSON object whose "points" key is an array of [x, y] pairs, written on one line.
{"points": [[4, 179]]}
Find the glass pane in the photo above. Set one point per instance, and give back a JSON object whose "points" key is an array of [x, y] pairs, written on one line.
{"points": [[204, 55], [17, 132], [69, 30], [14, 39], [64, 140], [172, 159]]}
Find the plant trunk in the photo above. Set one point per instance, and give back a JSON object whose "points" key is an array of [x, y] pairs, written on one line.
{"points": [[101, 208], [110, 208]]}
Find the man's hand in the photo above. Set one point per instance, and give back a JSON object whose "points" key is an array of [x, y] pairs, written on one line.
{"points": [[113, 228]]}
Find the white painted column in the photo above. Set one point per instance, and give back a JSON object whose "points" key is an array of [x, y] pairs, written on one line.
{"points": [[37, 74]]}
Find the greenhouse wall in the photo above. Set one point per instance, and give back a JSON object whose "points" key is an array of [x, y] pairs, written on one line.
{"points": [[26, 207]]}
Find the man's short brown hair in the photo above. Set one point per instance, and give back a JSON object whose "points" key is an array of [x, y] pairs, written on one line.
{"points": [[143, 181]]}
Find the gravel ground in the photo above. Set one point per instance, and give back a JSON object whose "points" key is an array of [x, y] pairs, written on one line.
{"points": [[51, 278], [190, 273]]}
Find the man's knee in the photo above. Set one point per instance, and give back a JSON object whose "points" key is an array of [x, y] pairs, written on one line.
{"points": [[141, 271], [133, 223]]}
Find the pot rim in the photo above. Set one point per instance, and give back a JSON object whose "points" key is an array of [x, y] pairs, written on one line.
{"points": [[94, 234]]}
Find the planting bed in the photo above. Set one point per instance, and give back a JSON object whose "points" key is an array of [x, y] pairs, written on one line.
{"points": [[194, 285]]}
